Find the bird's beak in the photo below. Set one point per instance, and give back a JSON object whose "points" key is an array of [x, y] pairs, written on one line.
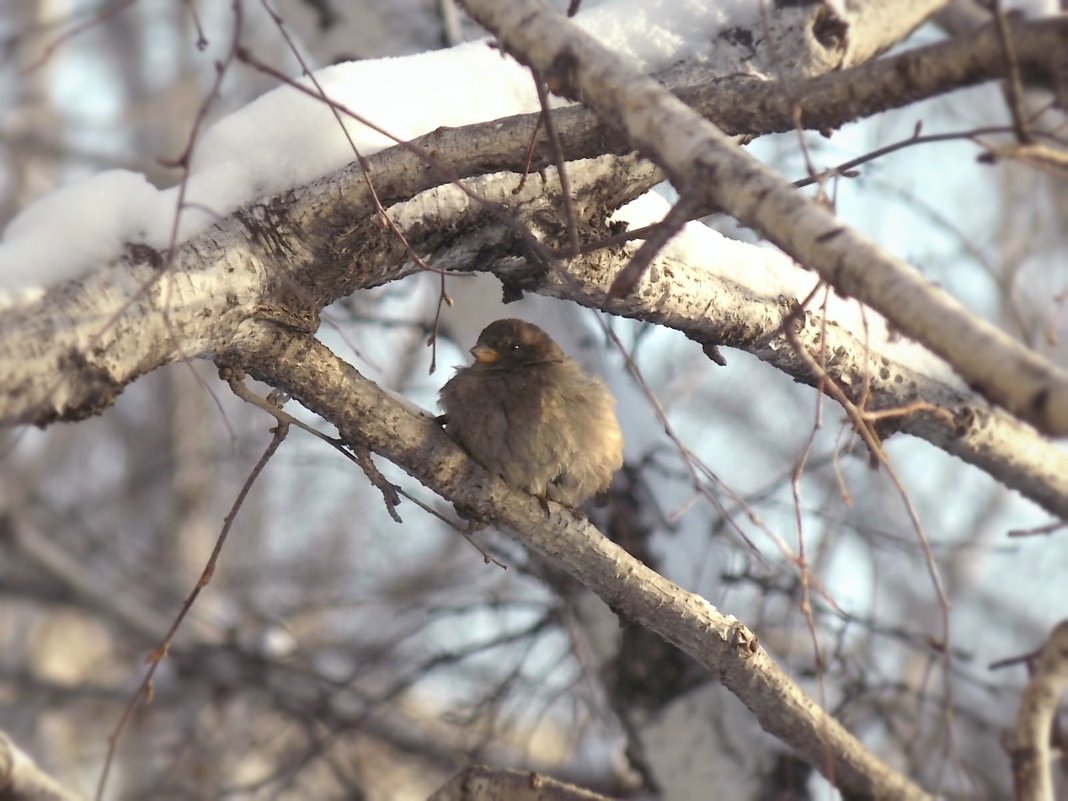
{"points": [[484, 354]]}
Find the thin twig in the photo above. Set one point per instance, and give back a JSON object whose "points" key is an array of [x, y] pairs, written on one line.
{"points": [[845, 170], [144, 690], [865, 427], [1013, 83], [501, 215], [684, 210], [558, 157], [528, 159], [229, 375], [101, 16], [360, 456], [1044, 531]]}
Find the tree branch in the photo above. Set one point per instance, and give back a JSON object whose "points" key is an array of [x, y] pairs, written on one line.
{"points": [[478, 783], [1032, 757], [22, 780], [737, 297], [693, 152], [306, 370]]}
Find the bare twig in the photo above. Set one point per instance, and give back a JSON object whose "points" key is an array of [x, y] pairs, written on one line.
{"points": [[359, 455], [865, 426], [422, 154], [1046, 530], [558, 156], [685, 209], [1013, 84], [144, 690], [365, 166], [389, 490]]}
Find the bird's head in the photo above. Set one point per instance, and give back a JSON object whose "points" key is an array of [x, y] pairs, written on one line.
{"points": [[507, 344]]}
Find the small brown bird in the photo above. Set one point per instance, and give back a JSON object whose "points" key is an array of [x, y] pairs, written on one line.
{"points": [[529, 414]]}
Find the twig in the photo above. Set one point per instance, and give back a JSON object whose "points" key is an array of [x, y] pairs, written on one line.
{"points": [[499, 214], [1013, 83], [684, 210], [558, 156], [1046, 530], [389, 491], [864, 425], [478, 783], [845, 170], [359, 455], [529, 158], [144, 690], [365, 166]]}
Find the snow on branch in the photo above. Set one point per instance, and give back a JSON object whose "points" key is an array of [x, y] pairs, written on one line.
{"points": [[697, 156], [715, 290]]}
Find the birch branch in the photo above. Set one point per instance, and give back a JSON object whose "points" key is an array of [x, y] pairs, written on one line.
{"points": [[693, 152], [98, 340], [1032, 755], [736, 305], [22, 780], [366, 415]]}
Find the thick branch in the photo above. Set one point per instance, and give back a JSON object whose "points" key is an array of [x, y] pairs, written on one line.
{"points": [[710, 305], [738, 104], [70, 354], [365, 415], [22, 780], [693, 152], [826, 102], [1032, 757], [713, 310]]}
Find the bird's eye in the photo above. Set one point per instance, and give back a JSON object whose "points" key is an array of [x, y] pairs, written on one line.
{"points": [[515, 346]]}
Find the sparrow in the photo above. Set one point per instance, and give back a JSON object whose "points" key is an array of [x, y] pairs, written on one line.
{"points": [[529, 414]]}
